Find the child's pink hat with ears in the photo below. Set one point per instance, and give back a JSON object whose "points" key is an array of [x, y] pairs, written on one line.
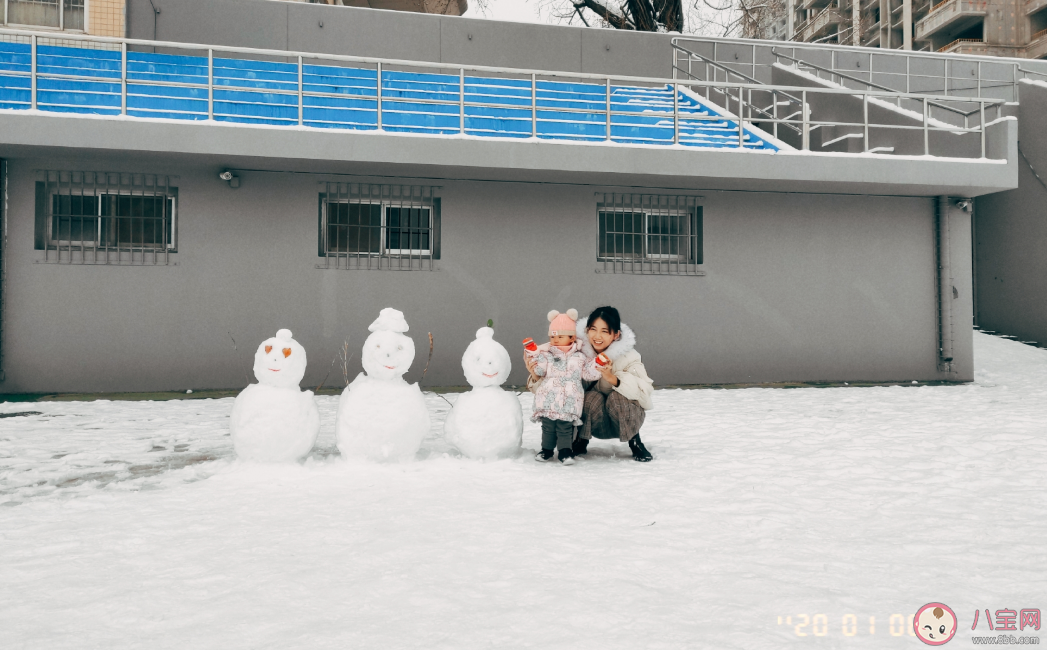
{"points": [[562, 324]]}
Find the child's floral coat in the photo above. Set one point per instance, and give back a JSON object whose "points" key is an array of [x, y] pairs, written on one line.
{"points": [[560, 395]]}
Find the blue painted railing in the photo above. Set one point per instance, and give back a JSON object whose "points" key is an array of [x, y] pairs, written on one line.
{"points": [[348, 94]]}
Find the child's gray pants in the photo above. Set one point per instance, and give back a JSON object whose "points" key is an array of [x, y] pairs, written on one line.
{"points": [[557, 433]]}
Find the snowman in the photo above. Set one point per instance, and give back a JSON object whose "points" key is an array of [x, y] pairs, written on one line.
{"points": [[486, 422], [274, 420], [380, 416]]}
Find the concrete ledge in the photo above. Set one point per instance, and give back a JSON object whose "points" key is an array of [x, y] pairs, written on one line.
{"points": [[291, 149]]}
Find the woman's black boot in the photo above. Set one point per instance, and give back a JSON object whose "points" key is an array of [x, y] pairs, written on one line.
{"points": [[580, 446], [640, 452]]}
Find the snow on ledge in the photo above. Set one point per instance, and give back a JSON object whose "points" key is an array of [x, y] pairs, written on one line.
{"points": [[790, 151], [1033, 82]]}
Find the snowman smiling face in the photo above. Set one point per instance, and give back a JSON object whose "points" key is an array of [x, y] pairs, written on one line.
{"points": [[387, 355], [280, 361], [486, 362]]}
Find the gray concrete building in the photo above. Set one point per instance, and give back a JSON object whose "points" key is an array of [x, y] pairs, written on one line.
{"points": [[802, 245]]}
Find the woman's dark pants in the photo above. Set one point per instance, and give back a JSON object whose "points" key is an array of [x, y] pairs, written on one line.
{"points": [[610, 416]]}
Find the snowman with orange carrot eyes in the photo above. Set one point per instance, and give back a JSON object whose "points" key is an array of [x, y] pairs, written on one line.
{"points": [[274, 420]]}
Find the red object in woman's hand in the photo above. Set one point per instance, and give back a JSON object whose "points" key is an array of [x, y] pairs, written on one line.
{"points": [[602, 360], [529, 344]]}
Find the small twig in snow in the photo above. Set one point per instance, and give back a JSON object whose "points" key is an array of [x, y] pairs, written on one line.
{"points": [[239, 357], [427, 360]]}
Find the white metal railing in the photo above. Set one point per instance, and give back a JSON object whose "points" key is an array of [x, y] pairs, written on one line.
{"points": [[907, 68], [835, 74], [739, 94], [796, 104]]}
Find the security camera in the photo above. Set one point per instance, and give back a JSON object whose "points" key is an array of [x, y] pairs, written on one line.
{"points": [[226, 175], [966, 205]]}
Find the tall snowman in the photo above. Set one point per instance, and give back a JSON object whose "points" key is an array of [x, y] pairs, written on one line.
{"points": [[380, 416], [274, 420], [486, 422]]}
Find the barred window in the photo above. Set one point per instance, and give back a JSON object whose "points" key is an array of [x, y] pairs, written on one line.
{"points": [[106, 218], [366, 226], [649, 234], [61, 14]]}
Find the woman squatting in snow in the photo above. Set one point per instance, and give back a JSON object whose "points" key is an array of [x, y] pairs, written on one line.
{"points": [[558, 398], [615, 405]]}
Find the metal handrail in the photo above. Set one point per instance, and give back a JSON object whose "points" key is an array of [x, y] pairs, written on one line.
{"points": [[946, 59], [853, 48], [679, 116], [751, 80], [775, 52], [1028, 72], [961, 40]]}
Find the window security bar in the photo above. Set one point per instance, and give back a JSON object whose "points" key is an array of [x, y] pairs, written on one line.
{"points": [[384, 98], [645, 234], [106, 218], [374, 227]]}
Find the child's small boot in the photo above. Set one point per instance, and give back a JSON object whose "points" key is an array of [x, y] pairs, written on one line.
{"points": [[640, 453], [566, 456], [544, 456]]}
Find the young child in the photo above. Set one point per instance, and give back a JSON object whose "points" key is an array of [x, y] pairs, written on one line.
{"points": [[558, 399]]}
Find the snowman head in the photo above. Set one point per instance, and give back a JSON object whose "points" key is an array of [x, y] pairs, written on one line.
{"points": [[486, 362], [387, 352], [280, 361]]}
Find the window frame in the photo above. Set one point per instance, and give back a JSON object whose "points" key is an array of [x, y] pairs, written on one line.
{"points": [[649, 208], [384, 229], [54, 244], [389, 198], [103, 248], [61, 27]]}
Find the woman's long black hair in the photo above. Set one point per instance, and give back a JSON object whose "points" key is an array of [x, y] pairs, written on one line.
{"points": [[608, 315]]}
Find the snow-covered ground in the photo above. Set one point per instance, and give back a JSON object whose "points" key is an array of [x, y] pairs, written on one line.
{"points": [[130, 525]]}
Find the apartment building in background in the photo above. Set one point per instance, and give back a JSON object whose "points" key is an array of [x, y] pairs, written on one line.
{"points": [[1012, 28], [97, 17], [109, 17]]}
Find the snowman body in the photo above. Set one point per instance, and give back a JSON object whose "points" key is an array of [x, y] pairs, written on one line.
{"points": [[274, 420], [485, 423], [380, 416]]}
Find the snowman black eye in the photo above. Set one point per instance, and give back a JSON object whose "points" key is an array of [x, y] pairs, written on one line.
{"points": [[942, 629]]}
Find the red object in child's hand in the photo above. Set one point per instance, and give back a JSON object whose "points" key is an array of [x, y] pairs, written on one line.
{"points": [[602, 360], [530, 345]]}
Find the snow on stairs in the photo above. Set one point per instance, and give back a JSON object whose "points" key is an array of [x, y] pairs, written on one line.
{"points": [[265, 92]]}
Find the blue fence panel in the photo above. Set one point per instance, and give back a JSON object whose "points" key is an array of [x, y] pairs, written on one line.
{"points": [[249, 91]]}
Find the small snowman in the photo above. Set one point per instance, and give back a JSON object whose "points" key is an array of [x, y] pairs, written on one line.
{"points": [[274, 420], [485, 423], [380, 416]]}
